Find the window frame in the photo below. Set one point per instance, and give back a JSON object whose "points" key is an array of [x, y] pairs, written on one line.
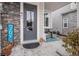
{"points": [[65, 20], [46, 18]]}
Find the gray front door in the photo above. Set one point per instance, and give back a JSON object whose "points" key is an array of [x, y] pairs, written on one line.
{"points": [[30, 22]]}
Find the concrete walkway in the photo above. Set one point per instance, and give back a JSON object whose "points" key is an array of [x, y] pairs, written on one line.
{"points": [[46, 49]]}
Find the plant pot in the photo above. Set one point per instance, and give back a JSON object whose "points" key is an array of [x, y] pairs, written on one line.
{"points": [[6, 51]]}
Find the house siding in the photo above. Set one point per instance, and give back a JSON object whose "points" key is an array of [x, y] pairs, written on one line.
{"points": [[72, 22], [41, 33], [57, 17]]}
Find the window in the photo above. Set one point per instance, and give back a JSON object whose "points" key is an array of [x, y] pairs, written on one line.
{"points": [[46, 20], [65, 23]]}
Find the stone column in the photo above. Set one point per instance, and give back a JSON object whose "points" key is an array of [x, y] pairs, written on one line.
{"points": [[41, 21]]}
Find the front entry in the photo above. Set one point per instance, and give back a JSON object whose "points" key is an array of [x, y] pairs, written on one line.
{"points": [[30, 22], [30, 26]]}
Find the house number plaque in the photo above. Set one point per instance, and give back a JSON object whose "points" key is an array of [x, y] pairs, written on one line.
{"points": [[10, 32]]}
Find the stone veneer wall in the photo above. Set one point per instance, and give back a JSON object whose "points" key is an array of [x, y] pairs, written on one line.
{"points": [[0, 23], [11, 10]]}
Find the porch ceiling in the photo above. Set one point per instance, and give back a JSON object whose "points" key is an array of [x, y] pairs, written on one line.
{"points": [[52, 6]]}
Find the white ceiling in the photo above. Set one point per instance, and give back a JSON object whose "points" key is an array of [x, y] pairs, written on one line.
{"points": [[52, 6]]}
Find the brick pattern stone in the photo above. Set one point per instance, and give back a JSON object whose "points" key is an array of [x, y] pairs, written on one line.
{"points": [[11, 10]]}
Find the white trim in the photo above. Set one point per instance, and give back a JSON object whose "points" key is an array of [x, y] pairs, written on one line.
{"points": [[21, 22], [38, 22]]}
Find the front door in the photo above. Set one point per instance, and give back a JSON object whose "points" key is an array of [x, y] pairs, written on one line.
{"points": [[30, 22]]}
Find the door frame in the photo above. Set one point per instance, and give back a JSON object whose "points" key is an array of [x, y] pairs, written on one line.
{"points": [[21, 25]]}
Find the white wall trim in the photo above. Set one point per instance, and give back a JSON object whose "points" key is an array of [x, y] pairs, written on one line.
{"points": [[21, 22], [38, 22]]}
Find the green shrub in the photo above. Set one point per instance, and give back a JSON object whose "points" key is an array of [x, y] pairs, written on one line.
{"points": [[71, 43]]}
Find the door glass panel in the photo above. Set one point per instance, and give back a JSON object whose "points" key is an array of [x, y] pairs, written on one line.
{"points": [[29, 20]]}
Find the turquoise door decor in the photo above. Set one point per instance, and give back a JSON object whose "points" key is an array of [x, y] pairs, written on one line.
{"points": [[10, 32]]}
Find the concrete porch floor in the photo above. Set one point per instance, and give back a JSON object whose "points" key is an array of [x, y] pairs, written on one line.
{"points": [[46, 49]]}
